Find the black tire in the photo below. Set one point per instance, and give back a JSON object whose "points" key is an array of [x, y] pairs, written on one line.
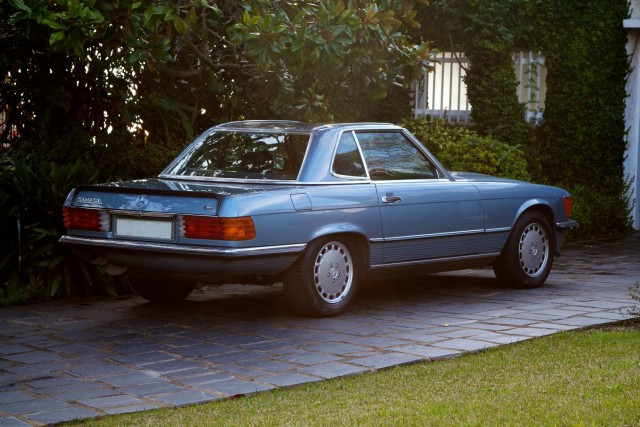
{"points": [[324, 280], [162, 290], [527, 257]]}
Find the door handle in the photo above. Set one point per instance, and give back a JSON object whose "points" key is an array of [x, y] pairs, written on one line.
{"points": [[391, 199]]}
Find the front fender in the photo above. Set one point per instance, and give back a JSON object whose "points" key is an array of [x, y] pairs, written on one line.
{"points": [[532, 203]]}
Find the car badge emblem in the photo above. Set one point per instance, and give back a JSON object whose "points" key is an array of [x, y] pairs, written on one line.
{"points": [[142, 201]]}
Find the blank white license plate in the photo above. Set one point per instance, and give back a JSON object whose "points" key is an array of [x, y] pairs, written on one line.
{"points": [[143, 228]]}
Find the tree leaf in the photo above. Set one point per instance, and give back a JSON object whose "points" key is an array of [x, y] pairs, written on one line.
{"points": [[56, 37], [180, 25]]}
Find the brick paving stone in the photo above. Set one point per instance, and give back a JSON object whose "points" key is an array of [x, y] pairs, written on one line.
{"points": [[131, 408], [336, 348], [461, 333], [489, 327], [240, 370], [238, 356], [288, 379], [13, 396], [266, 365], [562, 312], [75, 350], [501, 312], [12, 422], [531, 316], [139, 348], [233, 387], [33, 357], [201, 370], [203, 350], [511, 321], [97, 369], [32, 406], [53, 382], [90, 393], [599, 304], [141, 359], [8, 379], [204, 379], [133, 378], [62, 415], [171, 366], [187, 397], [309, 358], [240, 340], [332, 370], [379, 342], [386, 360], [504, 339], [276, 345], [449, 321], [150, 389], [13, 348], [110, 401], [470, 345], [554, 326], [583, 321], [24, 372], [531, 332], [430, 352], [78, 384], [42, 344]]}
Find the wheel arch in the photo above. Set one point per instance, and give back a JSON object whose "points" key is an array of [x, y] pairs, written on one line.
{"points": [[545, 209], [353, 232]]}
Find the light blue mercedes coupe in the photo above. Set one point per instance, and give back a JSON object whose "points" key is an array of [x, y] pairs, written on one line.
{"points": [[318, 207]]}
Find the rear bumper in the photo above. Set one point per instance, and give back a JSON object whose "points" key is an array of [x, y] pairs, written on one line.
{"points": [[186, 259]]}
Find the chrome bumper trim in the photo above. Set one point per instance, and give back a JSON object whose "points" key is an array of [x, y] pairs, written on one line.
{"points": [[567, 225], [426, 236], [182, 249]]}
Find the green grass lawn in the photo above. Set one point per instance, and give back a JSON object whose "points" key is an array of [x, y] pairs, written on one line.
{"points": [[574, 378]]}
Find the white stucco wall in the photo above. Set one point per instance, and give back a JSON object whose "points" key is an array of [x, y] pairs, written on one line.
{"points": [[632, 161]]}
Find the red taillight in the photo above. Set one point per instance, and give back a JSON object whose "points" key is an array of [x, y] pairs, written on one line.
{"points": [[568, 206], [203, 227], [85, 219]]}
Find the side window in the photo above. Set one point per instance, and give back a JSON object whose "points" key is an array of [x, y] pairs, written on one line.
{"points": [[347, 160], [391, 156]]}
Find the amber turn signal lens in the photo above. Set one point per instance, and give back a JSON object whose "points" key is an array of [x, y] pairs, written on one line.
{"points": [[568, 206], [202, 227]]}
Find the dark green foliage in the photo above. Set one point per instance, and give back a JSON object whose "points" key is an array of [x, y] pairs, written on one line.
{"points": [[486, 31], [35, 265], [462, 149], [580, 145]]}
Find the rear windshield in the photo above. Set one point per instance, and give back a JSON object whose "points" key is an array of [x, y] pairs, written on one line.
{"points": [[243, 155]]}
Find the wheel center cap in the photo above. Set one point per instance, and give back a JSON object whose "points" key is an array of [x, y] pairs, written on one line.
{"points": [[533, 250], [334, 272]]}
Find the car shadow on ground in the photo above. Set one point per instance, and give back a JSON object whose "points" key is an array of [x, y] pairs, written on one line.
{"points": [[244, 302]]}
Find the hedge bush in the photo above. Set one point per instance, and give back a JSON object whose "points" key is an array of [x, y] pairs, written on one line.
{"points": [[32, 263], [580, 145]]}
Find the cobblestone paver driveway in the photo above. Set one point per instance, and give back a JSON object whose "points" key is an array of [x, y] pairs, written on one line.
{"points": [[84, 358]]}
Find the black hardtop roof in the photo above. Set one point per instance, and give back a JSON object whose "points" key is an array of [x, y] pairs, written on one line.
{"points": [[289, 125]]}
